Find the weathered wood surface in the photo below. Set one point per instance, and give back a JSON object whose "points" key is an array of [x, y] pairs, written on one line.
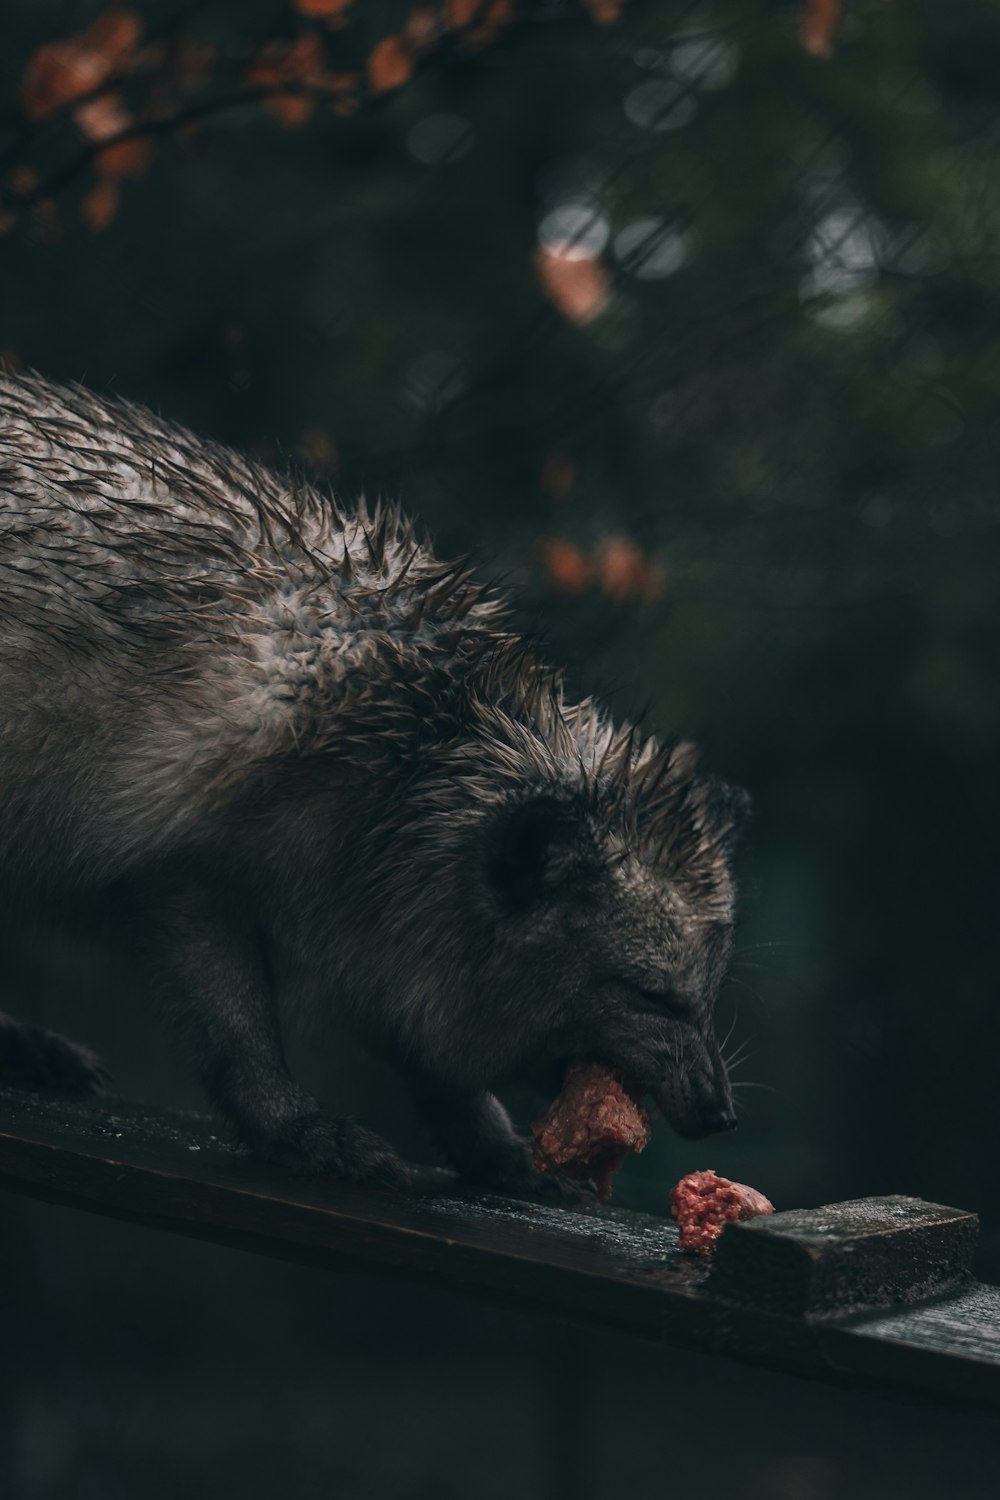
{"points": [[873, 1292]]}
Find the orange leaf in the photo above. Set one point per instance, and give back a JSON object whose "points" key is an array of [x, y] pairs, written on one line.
{"points": [[291, 109], [265, 71], [282, 63], [624, 571], [495, 16], [818, 26], [324, 9], [278, 63], [461, 12], [577, 284], [390, 64], [100, 205], [125, 158], [305, 61], [604, 11], [56, 74], [115, 36], [60, 72], [566, 565], [102, 117], [422, 27]]}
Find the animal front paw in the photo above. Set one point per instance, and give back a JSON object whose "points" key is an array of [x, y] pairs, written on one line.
{"points": [[34, 1057], [571, 1191], [511, 1172], [317, 1146]]}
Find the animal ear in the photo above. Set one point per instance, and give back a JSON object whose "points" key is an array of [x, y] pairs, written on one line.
{"points": [[535, 845], [726, 812]]}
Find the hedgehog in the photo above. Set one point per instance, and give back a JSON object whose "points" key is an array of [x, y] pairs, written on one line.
{"points": [[308, 767]]}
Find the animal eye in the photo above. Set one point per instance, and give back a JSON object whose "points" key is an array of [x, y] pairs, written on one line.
{"points": [[667, 1001], [534, 846]]}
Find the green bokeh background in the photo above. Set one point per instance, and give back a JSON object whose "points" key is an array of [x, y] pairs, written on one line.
{"points": [[797, 424]]}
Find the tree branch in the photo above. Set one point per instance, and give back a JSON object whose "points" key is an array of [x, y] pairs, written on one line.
{"points": [[421, 53]]}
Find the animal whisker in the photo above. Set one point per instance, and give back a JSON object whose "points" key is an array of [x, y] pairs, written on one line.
{"points": [[738, 1057]]}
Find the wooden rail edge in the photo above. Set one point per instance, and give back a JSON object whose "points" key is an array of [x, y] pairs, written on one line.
{"points": [[871, 1293]]}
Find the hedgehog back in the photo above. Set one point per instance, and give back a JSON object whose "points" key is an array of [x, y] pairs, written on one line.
{"points": [[172, 615]]}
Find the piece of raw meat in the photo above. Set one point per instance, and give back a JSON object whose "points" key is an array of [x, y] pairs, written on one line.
{"points": [[590, 1127], [703, 1203]]}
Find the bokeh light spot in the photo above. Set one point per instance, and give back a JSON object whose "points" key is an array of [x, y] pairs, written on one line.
{"points": [[648, 248], [659, 104], [574, 231]]}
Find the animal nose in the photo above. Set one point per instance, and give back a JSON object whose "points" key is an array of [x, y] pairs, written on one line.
{"points": [[716, 1117]]}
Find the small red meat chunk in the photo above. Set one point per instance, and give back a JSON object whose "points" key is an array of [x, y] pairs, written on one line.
{"points": [[702, 1203], [590, 1127]]}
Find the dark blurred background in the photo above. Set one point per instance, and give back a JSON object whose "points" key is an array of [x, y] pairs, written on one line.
{"points": [[684, 319]]}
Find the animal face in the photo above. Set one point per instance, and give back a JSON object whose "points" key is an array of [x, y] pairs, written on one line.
{"points": [[610, 952], [559, 890]]}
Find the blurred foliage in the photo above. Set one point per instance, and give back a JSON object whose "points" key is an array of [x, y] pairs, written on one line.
{"points": [[684, 317]]}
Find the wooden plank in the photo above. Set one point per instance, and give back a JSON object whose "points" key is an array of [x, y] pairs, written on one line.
{"points": [[869, 1252], [602, 1266]]}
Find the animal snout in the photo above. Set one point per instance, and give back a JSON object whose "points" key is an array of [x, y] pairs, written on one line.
{"points": [[693, 1119], [718, 1117], [696, 1098]]}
